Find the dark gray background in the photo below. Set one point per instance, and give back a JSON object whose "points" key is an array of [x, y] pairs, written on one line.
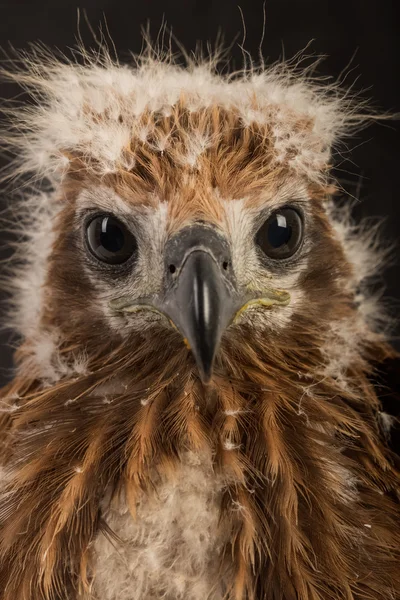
{"points": [[339, 28]]}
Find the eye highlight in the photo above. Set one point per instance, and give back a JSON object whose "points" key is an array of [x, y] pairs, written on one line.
{"points": [[109, 240], [281, 234]]}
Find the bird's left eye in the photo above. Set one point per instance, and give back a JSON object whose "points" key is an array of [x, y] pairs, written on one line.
{"points": [[281, 234], [109, 240]]}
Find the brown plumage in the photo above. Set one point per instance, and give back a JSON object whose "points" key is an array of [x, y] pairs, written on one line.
{"points": [[110, 407]]}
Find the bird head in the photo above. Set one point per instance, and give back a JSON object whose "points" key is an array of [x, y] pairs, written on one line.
{"points": [[189, 212]]}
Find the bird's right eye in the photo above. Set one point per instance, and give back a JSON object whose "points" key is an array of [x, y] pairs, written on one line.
{"points": [[109, 240]]}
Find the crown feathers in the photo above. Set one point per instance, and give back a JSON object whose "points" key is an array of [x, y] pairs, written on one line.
{"points": [[96, 108]]}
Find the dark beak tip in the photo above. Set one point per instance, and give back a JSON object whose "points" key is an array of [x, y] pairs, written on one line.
{"points": [[206, 375], [204, 366]]}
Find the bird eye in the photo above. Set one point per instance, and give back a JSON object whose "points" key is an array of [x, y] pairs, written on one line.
{"points": [[109, 240], [281, 234]]}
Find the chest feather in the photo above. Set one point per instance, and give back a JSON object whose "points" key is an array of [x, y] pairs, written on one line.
{"points": [[171, 549]]}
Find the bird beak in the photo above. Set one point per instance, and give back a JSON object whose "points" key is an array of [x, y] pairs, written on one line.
{"points": [[200, 296], [200, 305]]}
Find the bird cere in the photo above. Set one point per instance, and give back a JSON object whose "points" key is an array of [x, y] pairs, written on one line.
{"points": [[192, 414]]}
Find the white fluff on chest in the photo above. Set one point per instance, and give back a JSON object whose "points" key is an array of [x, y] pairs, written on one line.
{"points": [[171, 550]]}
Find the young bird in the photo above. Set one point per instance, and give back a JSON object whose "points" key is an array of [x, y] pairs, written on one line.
{"points": [[193, 415]]}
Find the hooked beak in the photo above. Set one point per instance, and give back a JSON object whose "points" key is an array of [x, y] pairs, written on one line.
{"points": [[200, 296], [200, 305]]}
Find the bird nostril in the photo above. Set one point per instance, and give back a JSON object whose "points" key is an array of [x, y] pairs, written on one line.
{"points": [[225, 265], [172, 269]]}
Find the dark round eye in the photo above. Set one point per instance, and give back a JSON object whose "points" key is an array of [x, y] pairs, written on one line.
{"points": [[281, 234], [109, 240]]}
